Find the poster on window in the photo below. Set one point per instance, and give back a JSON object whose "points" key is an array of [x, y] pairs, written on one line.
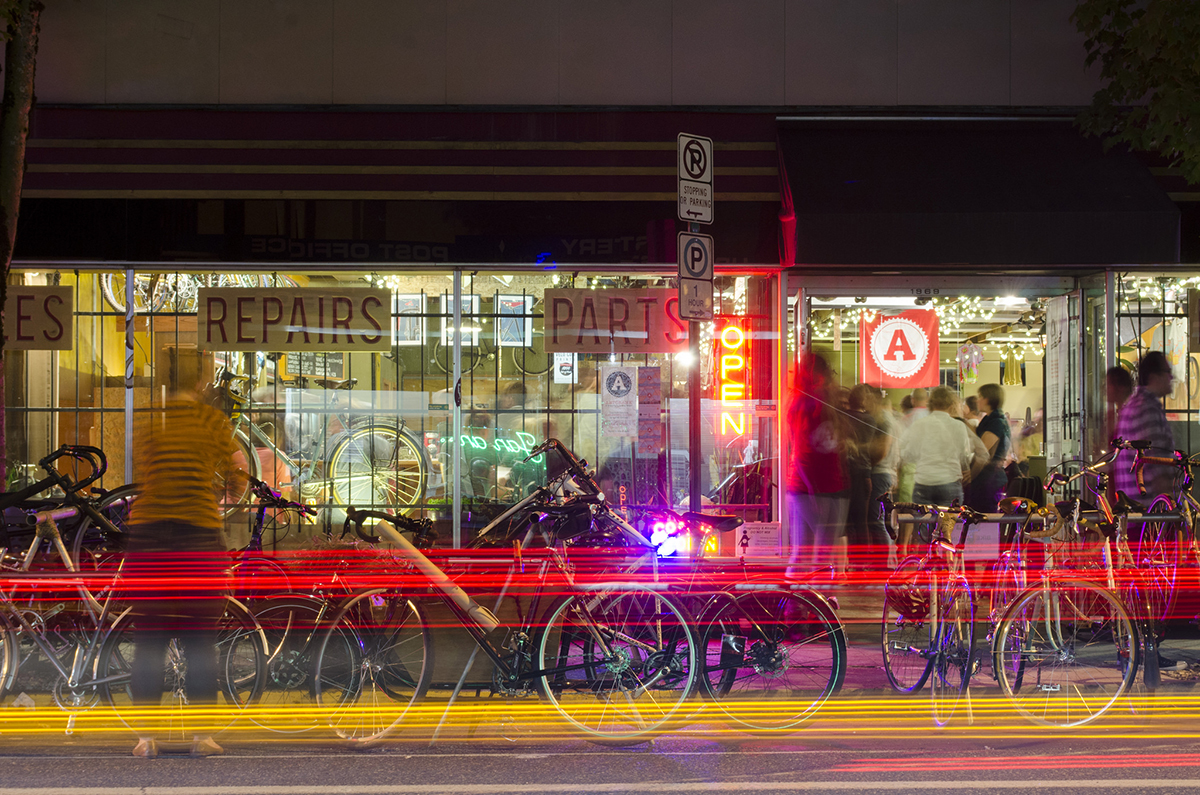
{"points": [[900, 351], [469, 314], [1057, 328], [514, 321], [409, 319], [618, 400]]}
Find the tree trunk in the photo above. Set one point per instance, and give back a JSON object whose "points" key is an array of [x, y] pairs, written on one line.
{"points": [[19, 63]]}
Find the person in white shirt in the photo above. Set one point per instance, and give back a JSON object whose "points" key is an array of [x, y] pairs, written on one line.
{"points": [[940, 447]]}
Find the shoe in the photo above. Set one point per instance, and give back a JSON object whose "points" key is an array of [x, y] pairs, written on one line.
{"points": [[1171, 665], [147, 748], [206, 746]]}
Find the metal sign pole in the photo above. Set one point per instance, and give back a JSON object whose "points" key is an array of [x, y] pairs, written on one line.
{"points": [[694, 423]]}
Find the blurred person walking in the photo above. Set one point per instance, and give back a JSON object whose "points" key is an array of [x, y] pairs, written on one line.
{"points": [[1143, 417], [989, 484], [940, 448], [175, 547], [815, 495], [860, 438]]}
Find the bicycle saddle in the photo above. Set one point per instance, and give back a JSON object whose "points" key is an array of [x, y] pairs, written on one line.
{"points": [[1126, 504], [1016, 506], [335, 383], [719, 523]]}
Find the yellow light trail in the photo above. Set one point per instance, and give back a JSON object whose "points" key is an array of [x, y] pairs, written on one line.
{"points": [[1140, 716]]}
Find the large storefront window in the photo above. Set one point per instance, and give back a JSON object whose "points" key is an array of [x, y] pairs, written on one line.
{"points": [[353, 388]]}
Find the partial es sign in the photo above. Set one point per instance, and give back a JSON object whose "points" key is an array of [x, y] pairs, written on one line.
{"points": [[39, 318], [329, 319]]}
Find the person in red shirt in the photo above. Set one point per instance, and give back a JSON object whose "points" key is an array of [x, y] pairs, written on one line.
{"points": [[816, 500]]}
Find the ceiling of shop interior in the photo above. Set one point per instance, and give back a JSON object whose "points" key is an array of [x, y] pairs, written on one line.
{"points": [[1004, 314]]}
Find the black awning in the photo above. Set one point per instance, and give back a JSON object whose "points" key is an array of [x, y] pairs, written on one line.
{"points": [[972, 192]]}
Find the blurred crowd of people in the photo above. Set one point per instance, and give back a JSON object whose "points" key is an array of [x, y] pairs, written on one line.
{"points": [[850, 447]]}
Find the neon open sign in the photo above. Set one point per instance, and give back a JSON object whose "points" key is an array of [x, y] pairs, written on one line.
{"points": [[733, 363]]}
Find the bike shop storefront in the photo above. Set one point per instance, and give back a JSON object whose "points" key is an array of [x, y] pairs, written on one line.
{"points": [[352, 387]]}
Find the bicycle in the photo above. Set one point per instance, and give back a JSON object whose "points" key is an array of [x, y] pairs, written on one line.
{"points": [[370, 461], [774, 650], [153, 291], [86, 638], [1068, 648], [616, 659], [929, 612]]}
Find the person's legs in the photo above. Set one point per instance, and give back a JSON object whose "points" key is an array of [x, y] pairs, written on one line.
{"points": [[877, 537], [857, 536]]}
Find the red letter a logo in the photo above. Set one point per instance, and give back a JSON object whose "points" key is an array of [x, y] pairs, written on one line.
{"points": [[899, 345]]}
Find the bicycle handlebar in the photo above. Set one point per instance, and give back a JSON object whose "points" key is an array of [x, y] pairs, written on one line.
{"points": [[270, 498], [85, 453], [422, 529]]}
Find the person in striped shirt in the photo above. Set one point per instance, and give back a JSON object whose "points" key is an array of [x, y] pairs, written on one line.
{"points": [[175, 558]]}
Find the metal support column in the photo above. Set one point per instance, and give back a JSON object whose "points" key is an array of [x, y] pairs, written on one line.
{"points": [[456, 376], [130, 314]]}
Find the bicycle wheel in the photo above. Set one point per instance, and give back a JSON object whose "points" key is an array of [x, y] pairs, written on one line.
{"points": [[149, 292], [94, 547], [373, 663], [953, 659], [618, 665], [1004, 586], [772, 657], [291, 624], [240, 665], [532, 359], [256, 577], [378, 466], [907, 628], [443, 357], [1079, 650], [9, 651], [1158, 551]]}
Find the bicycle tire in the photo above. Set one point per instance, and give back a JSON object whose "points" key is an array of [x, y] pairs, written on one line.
{"points": [[257, 577], [906, 636], [241, 666], [442, 354], [9, 656], [1003, 590], [652, 662], [527, 358], [378, 466], [1158, 550], [96, 548], [373, 664], [772, 657], [149, 295], [1080, 652], [954, 657], [292, 625]]}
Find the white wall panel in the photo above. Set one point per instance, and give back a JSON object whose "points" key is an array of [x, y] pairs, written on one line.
{"points": [[163, 51], [277, 51], [953, 52], [389, 53], [502, 53], [615, 52], [727, 53], [71, 52], [569, 52], [841, 52], [1048, 55]]}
